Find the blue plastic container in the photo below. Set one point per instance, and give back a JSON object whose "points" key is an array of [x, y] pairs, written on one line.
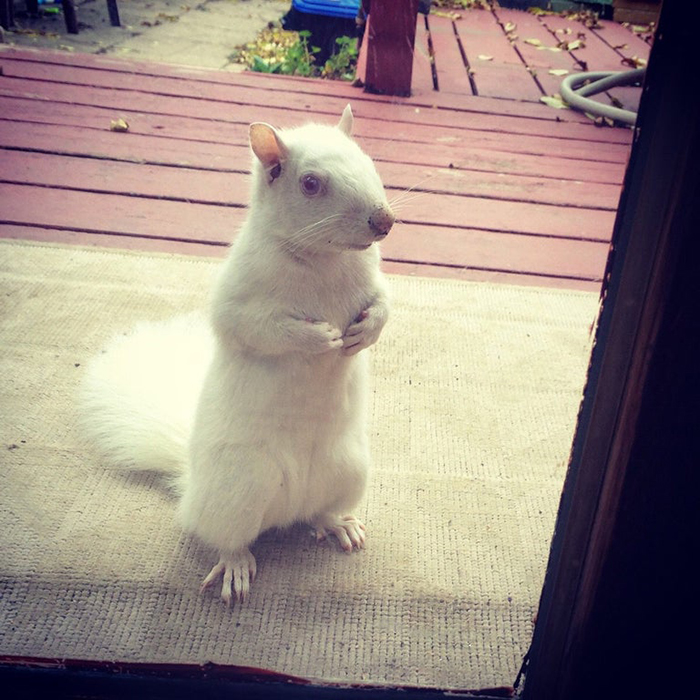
{"points": [[329, 8]]}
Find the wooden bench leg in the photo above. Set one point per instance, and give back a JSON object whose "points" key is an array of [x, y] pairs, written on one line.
{"points": [[7, 14], [70, 16], [113, 13]]}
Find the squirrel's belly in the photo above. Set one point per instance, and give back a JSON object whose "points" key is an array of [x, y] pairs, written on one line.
{"points": [[321, 443]]}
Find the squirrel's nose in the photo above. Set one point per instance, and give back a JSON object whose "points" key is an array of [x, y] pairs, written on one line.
{"points": [[381, 221]]}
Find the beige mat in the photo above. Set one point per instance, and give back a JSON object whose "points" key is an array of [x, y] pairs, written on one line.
{"points": [[476, 390]]}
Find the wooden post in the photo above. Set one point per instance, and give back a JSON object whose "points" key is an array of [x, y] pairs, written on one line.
{"points": [[113, 13], [386, 61]]}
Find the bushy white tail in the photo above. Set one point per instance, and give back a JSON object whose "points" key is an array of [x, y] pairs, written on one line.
{"points": [[139, 396]]}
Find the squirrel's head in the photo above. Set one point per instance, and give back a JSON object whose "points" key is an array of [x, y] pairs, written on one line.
{"points": [[320, 189]]}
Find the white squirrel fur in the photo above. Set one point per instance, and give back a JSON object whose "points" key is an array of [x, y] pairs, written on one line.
{"points": [[258, 411]]}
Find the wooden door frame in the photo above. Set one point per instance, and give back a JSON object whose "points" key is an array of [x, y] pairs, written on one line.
{"points": [[620, 555]]}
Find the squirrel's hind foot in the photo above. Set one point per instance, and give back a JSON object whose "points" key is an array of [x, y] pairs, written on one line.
{"points": [[349, 531], [238, 569]]}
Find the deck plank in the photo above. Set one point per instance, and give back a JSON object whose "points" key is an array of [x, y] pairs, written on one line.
{"points": [[296, 88], [113, 190], [100, 142], [421, 269], [452, 73], [225, 103], [200, 126], [422, 76], [501, 72], [229, 186]]}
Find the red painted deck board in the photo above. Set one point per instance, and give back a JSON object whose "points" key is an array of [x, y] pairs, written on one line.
{"points": [[465, 162], [230, 186], [497, 69], [293, 86], [422, 75], [437, 145], [171, 98], [494, 186], [452, 73]]}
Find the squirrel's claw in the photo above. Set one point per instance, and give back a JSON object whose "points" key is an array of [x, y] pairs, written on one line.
{"points": [[238, 569]]}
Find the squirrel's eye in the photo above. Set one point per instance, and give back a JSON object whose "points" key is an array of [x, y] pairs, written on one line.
{"points": [[310, 184]]}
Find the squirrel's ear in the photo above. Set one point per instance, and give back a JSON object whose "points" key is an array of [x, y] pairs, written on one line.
{"points": [[345, 123], [267, 145]]}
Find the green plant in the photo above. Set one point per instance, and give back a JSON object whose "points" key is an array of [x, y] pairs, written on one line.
{"points": [[341, 65], [289, 53], [296, 58], [299, 59]]}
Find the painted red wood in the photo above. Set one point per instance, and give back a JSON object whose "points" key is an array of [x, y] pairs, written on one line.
{"points": [[623, 40], [120, 178], [105, 240], [489, 276], [65, 139], [105, 71], [542, 58], [390, 33], [596, 53], [523, 26], [479, 250], [117, 214], [449, 141], [481, 33], [500, 72], [452, 73], [416, 180], [519, 199], [204, 216], [228, 107], [544, 257], [422, 75], [500, 215], [101, 142], [404, 182], [161, 246]]}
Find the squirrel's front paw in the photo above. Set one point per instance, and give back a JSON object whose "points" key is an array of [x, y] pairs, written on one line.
{"points": [[365, 331], [319, 337]]}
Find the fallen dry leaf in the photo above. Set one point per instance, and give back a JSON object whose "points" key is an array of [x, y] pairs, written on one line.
{"points": [[558, 71], [533, 42], [118, 125], [484, 57], [554, 101], [538, 11], [635, 62], [448, 15], [572, 45], [510, 27]]}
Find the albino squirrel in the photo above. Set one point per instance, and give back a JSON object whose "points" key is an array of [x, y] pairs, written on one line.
{"points": [[259, 411]]}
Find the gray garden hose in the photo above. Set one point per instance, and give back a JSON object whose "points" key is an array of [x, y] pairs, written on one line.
{"points": [[595, 82]]}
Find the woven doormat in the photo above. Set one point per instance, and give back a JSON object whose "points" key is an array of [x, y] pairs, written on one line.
{"points": [[476, 389]]}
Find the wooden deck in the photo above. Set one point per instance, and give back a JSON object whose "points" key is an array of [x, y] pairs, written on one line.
{"points": [[502, 187]]}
